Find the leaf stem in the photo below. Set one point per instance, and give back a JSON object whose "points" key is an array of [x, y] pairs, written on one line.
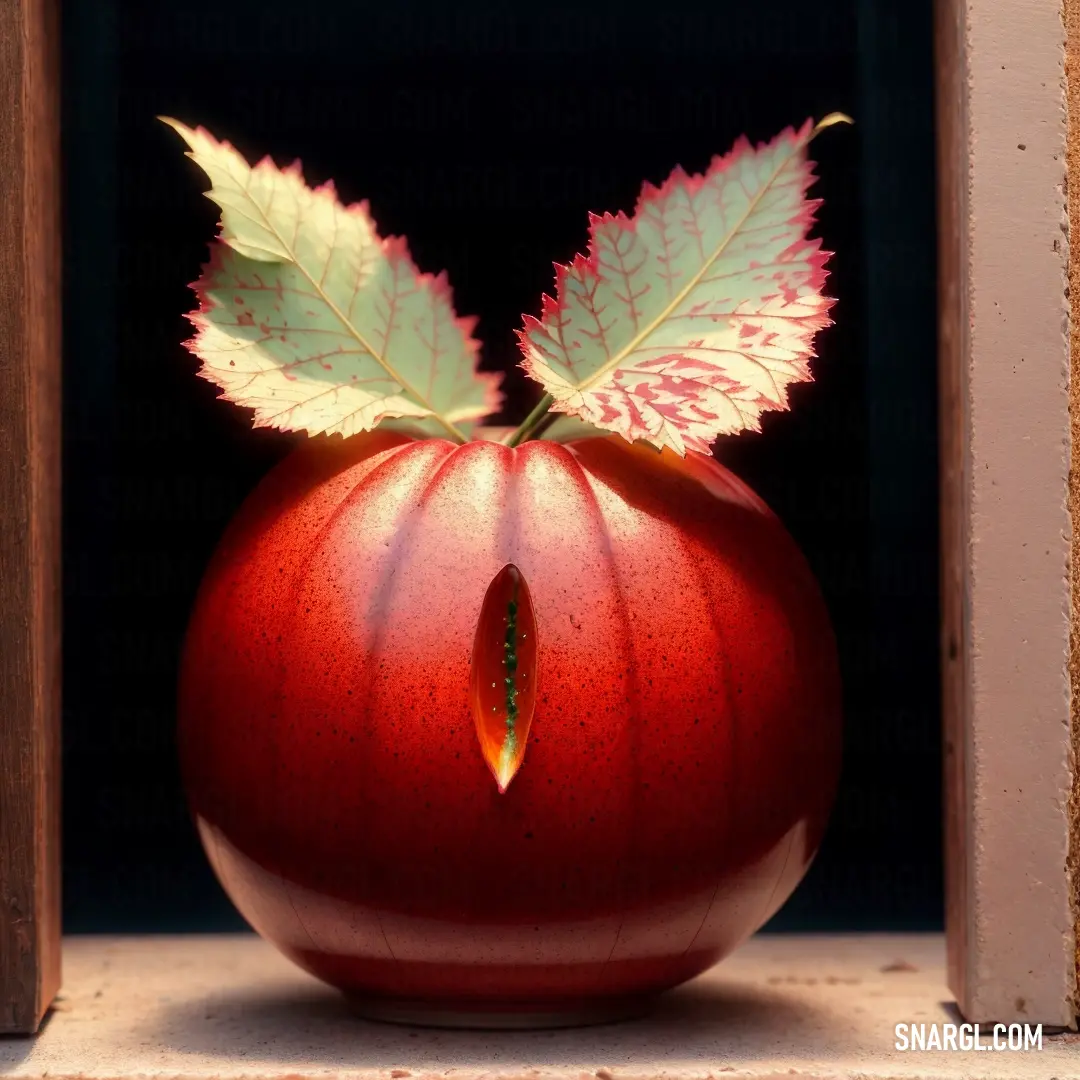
{"points": [[532, 421], [545, 423]]}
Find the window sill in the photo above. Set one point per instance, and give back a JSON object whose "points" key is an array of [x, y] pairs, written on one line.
{"points": [[204, 1008]]}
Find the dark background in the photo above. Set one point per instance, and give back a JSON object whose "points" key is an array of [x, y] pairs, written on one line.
{"points": [[485, 132]]}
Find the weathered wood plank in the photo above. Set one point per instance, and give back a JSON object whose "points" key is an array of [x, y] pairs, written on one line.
{"points": [[30, 423]]}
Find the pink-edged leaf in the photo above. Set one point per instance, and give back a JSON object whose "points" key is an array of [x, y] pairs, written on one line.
{"points": [[313, 320], [689, 319]]}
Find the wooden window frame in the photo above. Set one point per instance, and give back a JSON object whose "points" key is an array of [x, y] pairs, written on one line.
{"points": [[30, 428], [1005, 442]]}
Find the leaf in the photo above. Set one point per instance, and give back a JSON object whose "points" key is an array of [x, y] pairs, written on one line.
{"points": [[692, 317], [317, 323]]}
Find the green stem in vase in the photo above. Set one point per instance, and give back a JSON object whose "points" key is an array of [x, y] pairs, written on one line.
{"points": [[532, 421]]}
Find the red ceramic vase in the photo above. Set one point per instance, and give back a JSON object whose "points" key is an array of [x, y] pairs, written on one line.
{"points": [[669, 775]]}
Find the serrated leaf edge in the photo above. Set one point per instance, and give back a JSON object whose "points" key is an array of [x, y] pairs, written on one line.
{"points": [[438, 283], [550, 305]]}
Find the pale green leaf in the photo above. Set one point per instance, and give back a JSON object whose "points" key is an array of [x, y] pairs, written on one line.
{"points": [[313, 320], [692, 317]]}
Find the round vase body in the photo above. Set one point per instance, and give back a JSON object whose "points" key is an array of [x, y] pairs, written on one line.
{"points": [[678, 772]]}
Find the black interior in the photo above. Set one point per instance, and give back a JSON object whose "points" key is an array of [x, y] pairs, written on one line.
{"points": [[485, 132]]}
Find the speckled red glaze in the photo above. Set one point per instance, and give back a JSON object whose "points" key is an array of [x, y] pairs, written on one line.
{"points": [[682, 758]]}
